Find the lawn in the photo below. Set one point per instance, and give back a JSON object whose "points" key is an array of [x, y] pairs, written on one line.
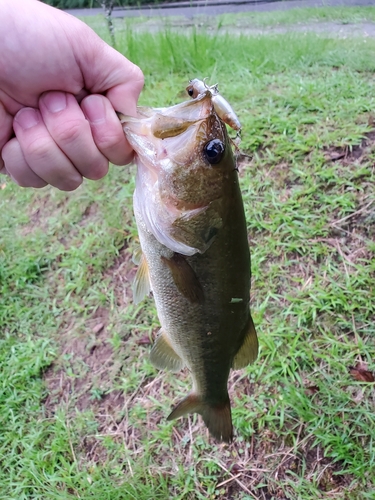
{"points": [[82, 410]]}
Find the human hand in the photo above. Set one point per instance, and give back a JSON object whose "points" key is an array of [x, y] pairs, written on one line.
{"points": [[60, 85]]}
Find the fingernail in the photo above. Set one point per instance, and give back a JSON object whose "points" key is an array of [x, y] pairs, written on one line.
{"points": [[54, 101], [27, 118], [94, 109]]}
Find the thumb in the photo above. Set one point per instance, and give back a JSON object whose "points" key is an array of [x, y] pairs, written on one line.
{"points": [[106, 71]]}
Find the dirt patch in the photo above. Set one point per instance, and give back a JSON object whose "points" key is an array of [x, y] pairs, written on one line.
{"points": [[40, 210], [91, 365], [348, 154], [90, 212], [88, 360], [83, 376], [121, 274], [348, 233]]}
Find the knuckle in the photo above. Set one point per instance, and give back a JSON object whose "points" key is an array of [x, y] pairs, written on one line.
{"points": [[69, 132], [39, 147], [110, 139]]}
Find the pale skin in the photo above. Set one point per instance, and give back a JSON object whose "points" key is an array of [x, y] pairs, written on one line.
{"points": [[60, 88]]}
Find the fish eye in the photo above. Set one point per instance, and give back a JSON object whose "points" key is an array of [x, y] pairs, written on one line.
{"points": [[214, 151]]}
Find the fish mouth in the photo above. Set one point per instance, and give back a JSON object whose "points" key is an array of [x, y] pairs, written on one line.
{"points": [[161, 134], [163, 123]]}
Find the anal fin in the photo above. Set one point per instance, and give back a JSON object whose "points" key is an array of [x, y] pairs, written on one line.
{"points": [[141, 283], [185, 278], [163, 356], [248, 351]]}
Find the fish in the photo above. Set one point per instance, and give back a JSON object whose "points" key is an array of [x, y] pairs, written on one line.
{"points": [[194, 251]]}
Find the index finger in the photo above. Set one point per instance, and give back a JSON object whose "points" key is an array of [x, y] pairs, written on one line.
{"points": [[6, 131]]}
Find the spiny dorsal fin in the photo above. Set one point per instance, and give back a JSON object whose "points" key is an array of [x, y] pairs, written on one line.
{"points": [[217, 417], [184, 277], [163, 356], [248, 352], [141, 283]]}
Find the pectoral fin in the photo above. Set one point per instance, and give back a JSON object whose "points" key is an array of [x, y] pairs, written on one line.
{"points": [[163, 356], [248, 352], [198, 228], [141, 284], [185, 278], [137, 255]]}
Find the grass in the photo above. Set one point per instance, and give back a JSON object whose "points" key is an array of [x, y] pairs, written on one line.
{"points": [[82, 411]]}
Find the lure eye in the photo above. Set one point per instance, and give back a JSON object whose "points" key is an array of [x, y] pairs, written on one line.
{"points": [[190, 91], [214, 151]]}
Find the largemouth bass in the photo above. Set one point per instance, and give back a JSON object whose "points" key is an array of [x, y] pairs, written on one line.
{"points": [[192, 229]]}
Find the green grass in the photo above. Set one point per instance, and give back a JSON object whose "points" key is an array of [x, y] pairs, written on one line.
{"points": [[82, 411]]}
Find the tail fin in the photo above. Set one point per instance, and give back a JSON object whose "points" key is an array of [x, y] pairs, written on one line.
{"points": [[217, 417]]}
